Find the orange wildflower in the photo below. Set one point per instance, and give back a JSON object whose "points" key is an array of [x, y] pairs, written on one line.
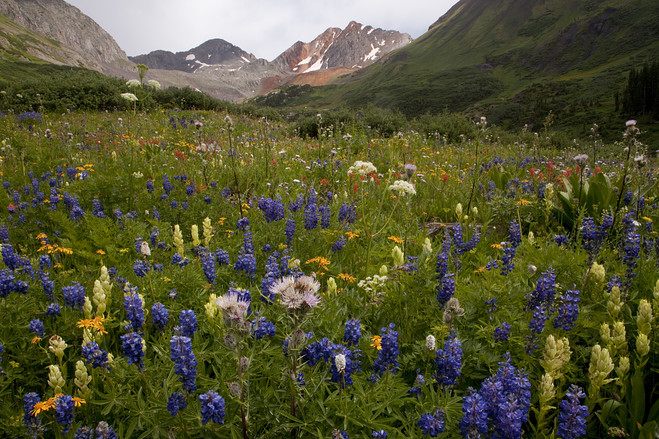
{"points": [[376, 342]]}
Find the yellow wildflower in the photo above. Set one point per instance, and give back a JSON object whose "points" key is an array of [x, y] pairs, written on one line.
{"points": [[497, 246], [347, 278], [36, 339], [95, 323], [480, 270], [41, 236], [647, 219], [100, 252], [396, 239], [352, 235], [376, 342], [523, 202], [221, 221], [322, 262], [78, 401]]}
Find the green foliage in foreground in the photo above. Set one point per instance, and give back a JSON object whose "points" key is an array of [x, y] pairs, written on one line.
{"points": [[489, 187]]}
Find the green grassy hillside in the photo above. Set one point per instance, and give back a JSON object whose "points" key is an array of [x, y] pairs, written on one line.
{"points": [[514, 60]]}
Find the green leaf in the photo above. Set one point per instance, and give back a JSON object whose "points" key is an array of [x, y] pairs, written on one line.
{"points": [[637, 406]]}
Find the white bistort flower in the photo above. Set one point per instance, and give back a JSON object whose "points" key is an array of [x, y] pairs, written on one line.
{"points": [[402, 188], [340, 363], [362, 168], [130, 97]]}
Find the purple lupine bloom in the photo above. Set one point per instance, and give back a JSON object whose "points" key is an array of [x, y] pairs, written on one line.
{"points": [[352, 364], [131, 345], [289, 231], [208, 266], [37, 327], [339, 244], [141, 267], [347, 213], [64, 412], [502, 332], [74, 296], [387, 359], [94, 355], [175, 403], [47, 284], [448, 362], [53, 310], [134, 310], [325, 216], [30, 421], [432, 424], [446, 289], [159, 316], [212, 407], [187, 323], [568, 310], [263, 327], [352, 332], [572, 416], [185, 363], [273, 210], [474, 416], [222, 257]]}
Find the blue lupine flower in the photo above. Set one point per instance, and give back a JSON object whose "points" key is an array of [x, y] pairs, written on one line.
{"points": [[631, 250], [94, 355], [9, 284], [159, 315], [514, 233], [273, 210], [32, 423], [4, 235], [442, 258], [352, 332], [325, 216], [561, 240], [10, 257], [339, 244], [352, 364], [212, 407], [347, 213], [432, 424], [572, 416], [419, 381], [458, 242], [47, 284], [568, 310], [388, 355], [187, 323], [131, 344], [297, 204], [45, 262], [189, 189], [242, 224], [185, 363], [314, 352], [134, 310], [508, 398], [141, 268], [311, 214], [289, 231], [36, 327], [246, 263], [263, 327], [379, 434], [446, 289], [104, 431], [175, 403], [222, 257], [502, 332], [149, 186], [541, 299], [448, 362], [97, 209], [64, 412], [53, 310], [208, 266], [166, 184], [74, 296], [474, 416]]}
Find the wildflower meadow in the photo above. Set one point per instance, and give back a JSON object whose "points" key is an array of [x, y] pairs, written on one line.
{"points": [[196, 274]]}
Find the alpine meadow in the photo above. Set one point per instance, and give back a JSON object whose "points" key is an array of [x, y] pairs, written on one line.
{"points": [[375, 234]]}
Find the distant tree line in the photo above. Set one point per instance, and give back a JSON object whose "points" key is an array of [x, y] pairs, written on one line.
{"points": [[641, 94]]}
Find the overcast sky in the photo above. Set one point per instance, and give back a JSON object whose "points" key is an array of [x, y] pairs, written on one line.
{"points": [[263, 27]]}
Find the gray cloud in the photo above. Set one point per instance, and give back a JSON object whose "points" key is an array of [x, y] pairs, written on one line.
{"points": [[263, 27]]}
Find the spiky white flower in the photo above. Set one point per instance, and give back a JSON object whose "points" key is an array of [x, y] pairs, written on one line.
{"points": [[297, 293]]}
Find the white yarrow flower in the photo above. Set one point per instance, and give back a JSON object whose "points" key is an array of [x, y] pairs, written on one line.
{"points": [[132, 83], [154, 84], [402, 187], [130, 97], [362, 168]]}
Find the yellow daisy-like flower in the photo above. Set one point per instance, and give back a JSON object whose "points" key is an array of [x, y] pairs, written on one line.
{"points": [[246, 206], [347, 278], [352, 235], [100, 252], [36, 340], [523, 202], [647, 219], [95, 323], [123, 250], [221, 221], [65, 250], [322, 262], [396, 239], [480, 270], [41, 236], [43, 406], [78, 401], [497, 246], [376, 342]]}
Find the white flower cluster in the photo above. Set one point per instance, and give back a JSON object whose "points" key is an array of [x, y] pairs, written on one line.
{"points": [[153, 84], [130, 97], [402, 187], [133, 83], [373, 284], [362, 168]]}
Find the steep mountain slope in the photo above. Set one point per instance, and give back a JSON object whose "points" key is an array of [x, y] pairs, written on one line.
{"points": [[82, 42], [212, 52], [513, 59], [354, 47]]}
